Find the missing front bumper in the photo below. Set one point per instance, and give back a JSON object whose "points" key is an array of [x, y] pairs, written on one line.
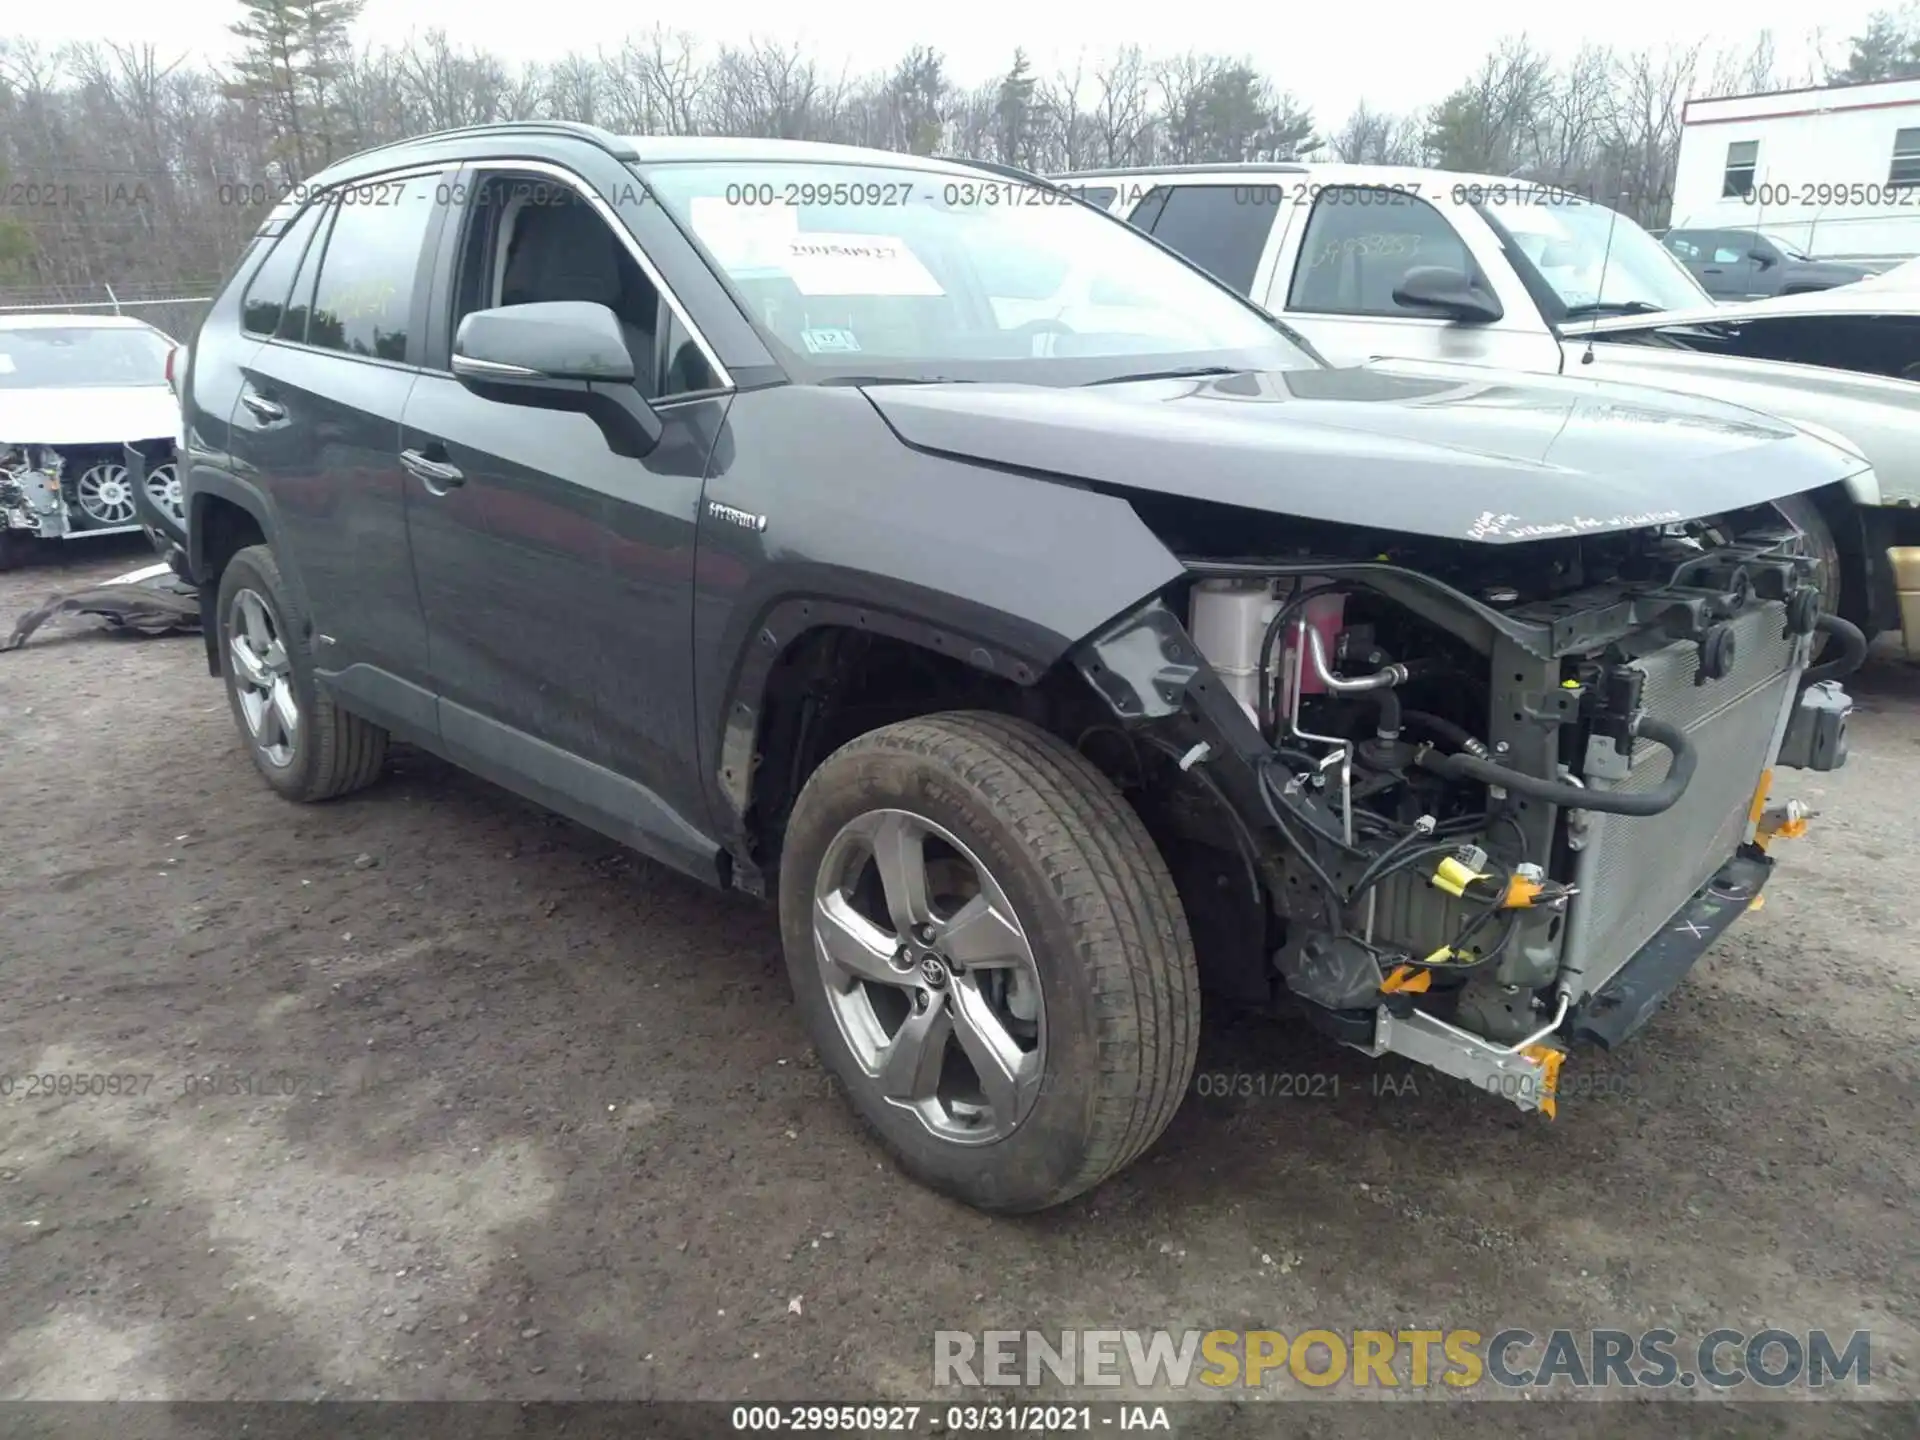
{"points": [[1620, 1008]]}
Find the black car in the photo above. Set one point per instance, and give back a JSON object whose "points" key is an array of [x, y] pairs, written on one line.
{"points": [[1042, 624], [1752, 264]]}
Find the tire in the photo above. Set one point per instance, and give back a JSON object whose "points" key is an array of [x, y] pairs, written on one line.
{"points": [[1801, 510], [1095, 912], [325, 751]]}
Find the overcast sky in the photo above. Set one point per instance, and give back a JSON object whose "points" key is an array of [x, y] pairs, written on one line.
{"points": [[1331, 54]]}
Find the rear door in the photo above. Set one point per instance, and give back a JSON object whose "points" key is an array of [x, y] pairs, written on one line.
{"points": [[317, 427], [1221, 228]]}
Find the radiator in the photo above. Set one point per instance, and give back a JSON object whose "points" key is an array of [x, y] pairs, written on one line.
{"points": [[1634, 873]]}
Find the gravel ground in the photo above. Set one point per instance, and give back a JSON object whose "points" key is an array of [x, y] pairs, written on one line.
{"points": [[534, 1118]]}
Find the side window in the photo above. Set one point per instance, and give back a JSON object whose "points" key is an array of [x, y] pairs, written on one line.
{"points": [[1143, 215], [1682, 246], [293, 323], [1743, 159], [1729, 249], [365, 290], [531, 239], [1360, 242], [264, 304], [1905, 169], [684, 369], [1221, 228]]}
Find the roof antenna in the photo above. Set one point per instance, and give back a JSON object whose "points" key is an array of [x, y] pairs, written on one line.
{"points": [[1600, 294]]}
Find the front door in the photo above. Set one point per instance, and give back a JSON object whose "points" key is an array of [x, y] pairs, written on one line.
{"points": [[1336, 274], [556, 576], [1726, 266]]}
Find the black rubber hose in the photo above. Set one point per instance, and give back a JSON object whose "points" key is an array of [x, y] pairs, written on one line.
{"points": [[1853, 650], [1389, 703], [1670, 738], [1458, 736]]}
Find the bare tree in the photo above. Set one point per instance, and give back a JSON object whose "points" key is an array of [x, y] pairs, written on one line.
{"points": [[1122, 120]]}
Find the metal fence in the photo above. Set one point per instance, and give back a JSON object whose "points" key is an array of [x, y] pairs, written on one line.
{"points": [[172, 309]]}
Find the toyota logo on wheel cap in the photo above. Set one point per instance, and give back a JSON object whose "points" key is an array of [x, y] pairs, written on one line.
{"points": [[933, 972]]}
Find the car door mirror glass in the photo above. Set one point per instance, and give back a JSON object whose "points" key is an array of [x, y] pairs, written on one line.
{"points": [[549, 340], [1450, 291]]}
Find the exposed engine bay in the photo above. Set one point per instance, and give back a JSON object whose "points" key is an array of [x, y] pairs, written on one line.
{"points": [[77, 491], [1484, 800]]}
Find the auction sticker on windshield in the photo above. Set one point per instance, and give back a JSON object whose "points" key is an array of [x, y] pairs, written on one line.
{"points": [[824, 263]]}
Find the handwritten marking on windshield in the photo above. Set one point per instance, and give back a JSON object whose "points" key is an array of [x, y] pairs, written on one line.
{"points": [[1508, 527]]}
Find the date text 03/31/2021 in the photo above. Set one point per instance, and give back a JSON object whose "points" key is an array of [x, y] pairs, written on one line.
{"points": [[1040, 1419]]}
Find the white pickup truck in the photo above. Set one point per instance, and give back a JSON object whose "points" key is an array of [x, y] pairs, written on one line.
{"points": [[1380, 262]]}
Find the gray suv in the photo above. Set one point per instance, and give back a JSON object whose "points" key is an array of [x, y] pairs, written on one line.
{"points": [[1049, 631]]}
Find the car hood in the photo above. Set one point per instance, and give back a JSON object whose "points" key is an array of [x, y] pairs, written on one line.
{"points": [[1423, 449], [1878, 415], [1865, 296], [88, 415]]}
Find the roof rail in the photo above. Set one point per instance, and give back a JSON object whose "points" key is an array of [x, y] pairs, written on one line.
{"points": [[1012, 172], [605, 139], [1289, 167]]}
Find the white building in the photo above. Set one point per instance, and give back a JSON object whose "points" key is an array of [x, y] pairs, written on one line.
{"points": [[1835, 171]]}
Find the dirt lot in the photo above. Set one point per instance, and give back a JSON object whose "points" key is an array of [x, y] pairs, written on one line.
{"points": [[533, 1118]]}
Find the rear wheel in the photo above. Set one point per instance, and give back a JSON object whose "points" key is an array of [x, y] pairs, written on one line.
{"points": [[990, 956], [304, 745]]}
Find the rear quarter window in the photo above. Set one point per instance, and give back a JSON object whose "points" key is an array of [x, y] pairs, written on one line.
{"points": [[264, 304]]}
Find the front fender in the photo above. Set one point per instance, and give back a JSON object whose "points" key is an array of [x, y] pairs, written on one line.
{"points": [[1000, 570]]}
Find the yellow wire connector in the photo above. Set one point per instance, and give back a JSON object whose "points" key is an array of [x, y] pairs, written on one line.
{"points": [[1459, 870]]}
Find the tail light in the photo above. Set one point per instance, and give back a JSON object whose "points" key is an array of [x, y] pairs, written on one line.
{"points": [[173, 374]]}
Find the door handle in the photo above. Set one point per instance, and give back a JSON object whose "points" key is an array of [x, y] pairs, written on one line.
{"points": [[262, 407], [437, 475]]}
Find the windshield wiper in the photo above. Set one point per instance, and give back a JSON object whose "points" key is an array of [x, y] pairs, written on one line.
{"points": [[1611, 307], [1182, 372]]}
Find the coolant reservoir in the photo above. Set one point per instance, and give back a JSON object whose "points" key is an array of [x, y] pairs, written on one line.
{"points": [[1228, 620]]}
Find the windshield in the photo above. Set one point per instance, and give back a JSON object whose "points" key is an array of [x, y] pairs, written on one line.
{"points": [[82, 355], [869, 271], [1786, 247], [1565, 243]]}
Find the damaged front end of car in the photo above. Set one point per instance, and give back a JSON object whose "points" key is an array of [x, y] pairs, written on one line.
{"points": [[1469, 803]]}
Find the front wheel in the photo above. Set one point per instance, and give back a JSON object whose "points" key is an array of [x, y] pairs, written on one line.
{"points": [[990, 956]]}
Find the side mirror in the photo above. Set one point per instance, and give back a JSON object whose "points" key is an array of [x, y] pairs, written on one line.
{"points": [[1452, 292], [558, 355], [1760, 258]]}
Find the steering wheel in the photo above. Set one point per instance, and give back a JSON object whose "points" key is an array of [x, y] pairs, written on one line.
{"points": [[1034, 329]]}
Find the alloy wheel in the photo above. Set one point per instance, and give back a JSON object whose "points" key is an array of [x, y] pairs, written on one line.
{"points": [[163, 488], [262, 678], [105, 495], [929, 976]]}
